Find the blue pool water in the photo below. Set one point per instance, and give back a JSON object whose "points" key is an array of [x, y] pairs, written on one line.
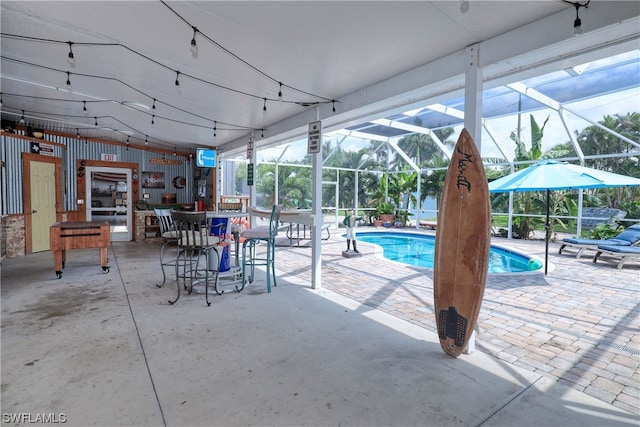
{"points": [[416, 249]]}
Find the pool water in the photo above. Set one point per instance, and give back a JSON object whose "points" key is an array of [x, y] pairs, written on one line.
{"points": [[418, 250]]}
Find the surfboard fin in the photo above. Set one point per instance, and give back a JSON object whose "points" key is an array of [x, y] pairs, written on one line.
{"points": [[452, 325]]}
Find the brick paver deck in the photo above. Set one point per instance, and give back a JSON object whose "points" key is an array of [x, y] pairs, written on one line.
{"points": [[579, 324]]}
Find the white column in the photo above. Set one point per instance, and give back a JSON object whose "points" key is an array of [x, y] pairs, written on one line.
{"points": [[473, 116], [316, 207], [473, 94]]}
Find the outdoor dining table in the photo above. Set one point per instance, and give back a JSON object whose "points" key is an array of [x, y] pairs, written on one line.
{"points": [[298, 217]]}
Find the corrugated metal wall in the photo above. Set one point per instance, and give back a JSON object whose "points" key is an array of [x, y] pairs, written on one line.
{"points": [[12, 148]]}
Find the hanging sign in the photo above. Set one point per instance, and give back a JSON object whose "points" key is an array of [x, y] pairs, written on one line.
{"points": [[250, 174], [165, 162], [41, 148], [250, 149], [205, 158], [314, 137]]}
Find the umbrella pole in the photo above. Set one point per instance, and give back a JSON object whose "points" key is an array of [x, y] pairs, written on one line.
{"points": [[547, 229]]}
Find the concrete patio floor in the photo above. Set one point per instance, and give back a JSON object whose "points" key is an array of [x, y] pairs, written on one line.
{"points": [[108, 350]]}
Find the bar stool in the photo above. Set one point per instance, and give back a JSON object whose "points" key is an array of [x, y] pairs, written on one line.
{"points": [[254, 236], [169, 236], [194, 242]]}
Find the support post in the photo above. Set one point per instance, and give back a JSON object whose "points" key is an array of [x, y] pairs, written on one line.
{"points": [[316, 207], [473, 94]]}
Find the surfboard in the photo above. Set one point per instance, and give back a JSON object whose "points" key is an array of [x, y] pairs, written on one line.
{"points": [[462, 247]]}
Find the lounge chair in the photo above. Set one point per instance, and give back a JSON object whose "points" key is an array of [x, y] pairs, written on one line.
{"points": [[629, 237], [625, 253]]}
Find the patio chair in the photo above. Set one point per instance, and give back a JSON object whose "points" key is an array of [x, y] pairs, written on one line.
{"points": [[195, 243], [629, 237], [624, 253], [261, 234], [169, 236]]}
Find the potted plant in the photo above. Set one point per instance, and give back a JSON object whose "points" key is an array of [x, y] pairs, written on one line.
{"points": [[386, 212], [402, 217]]}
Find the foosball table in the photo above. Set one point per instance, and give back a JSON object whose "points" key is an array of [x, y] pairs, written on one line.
{"points": [[79, 235]]}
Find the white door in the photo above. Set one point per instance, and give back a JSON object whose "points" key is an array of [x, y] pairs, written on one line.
{"points": [[43, 203], [108, 193]]}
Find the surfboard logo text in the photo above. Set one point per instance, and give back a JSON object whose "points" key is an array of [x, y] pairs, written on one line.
{"points": [[461, 179]]}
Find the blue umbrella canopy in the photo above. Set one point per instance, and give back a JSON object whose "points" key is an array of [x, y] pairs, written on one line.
{"points": [[555, 175]]}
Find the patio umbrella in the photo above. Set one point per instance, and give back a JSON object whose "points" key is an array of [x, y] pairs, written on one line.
{"points": [[555, 175]]}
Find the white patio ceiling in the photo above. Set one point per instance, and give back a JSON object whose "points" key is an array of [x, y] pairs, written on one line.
{"points": [[369, 60]]}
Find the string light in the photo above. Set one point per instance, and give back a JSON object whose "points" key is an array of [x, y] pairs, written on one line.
{"points": [[0, 99], [239, 92], [177, 75], [70, 57], [333, 103], [68, 79], [194, 45], [95, 121], [174, 152], [280, 92], [153, 107], [215, 128], [232, 127], [153, 117], [22, 118], [577, 23], [233, 55], [146, 140], [77, 133], [264, 106]]}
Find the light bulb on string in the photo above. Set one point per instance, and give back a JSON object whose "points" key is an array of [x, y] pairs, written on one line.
{"points": [[215, 129], [69, 80], [22, 118], [84, 107], [577, 23], [177, 76], [194, 45], [280, 92], [0, 99], [77, 133], [146, 140], [153, 117], [153, 107], [333, 103], [264, 106], [70, 58], [174, 152], [95, 121]]}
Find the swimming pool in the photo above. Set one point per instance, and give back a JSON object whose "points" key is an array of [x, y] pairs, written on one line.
{"points": [[417, 249]]}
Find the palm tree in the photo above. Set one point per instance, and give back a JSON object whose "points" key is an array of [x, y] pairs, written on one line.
{"points": [[527, 202], [597, 142]]}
